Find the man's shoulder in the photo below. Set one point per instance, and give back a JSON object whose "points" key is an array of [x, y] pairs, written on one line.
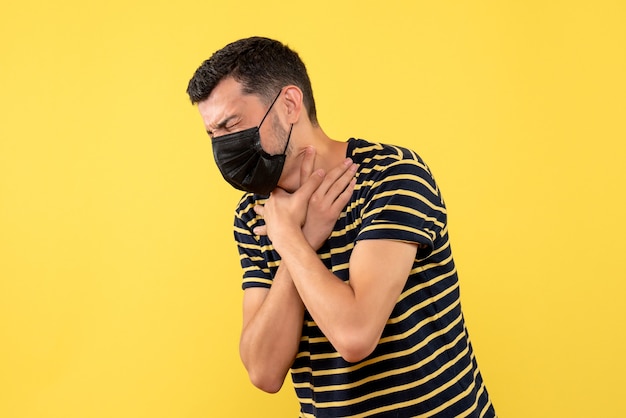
{"points": [[245, 205], [364, 150], [378, 158]]}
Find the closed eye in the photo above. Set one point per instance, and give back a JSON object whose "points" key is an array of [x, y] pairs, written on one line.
{"points": [[226, 124]]}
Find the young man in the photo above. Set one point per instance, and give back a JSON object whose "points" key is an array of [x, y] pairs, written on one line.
{"points": [[348, 275]]}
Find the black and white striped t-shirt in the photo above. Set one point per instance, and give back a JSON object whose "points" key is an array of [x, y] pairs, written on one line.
{"points": [[424, 364]]}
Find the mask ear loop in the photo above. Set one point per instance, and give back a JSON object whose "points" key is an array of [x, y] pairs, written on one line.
{"points": [[288, 138], [270, 108]]}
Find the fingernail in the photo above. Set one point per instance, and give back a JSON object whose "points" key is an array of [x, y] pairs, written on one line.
{"points": [[348, 161]]}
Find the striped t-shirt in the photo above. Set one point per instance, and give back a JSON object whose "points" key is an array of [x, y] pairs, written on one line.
{"points": [[424, 364]]}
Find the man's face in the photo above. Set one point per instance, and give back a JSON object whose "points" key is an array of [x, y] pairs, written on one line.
{"points": [[228, 110]]}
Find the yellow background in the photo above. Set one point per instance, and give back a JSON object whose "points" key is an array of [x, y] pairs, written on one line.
{"points": [[119, 280]]}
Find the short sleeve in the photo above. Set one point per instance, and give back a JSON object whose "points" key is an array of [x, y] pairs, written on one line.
{"points": [[404, 204], [252, 249]]}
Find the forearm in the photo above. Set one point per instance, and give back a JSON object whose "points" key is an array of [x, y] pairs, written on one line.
{"points": [[333, 304], [270, 340]]}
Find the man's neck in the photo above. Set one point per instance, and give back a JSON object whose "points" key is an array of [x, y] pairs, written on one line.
{"points": [[329, 153]]}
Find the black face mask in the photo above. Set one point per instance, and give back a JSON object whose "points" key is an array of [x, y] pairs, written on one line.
{"points": [[243, 162]]}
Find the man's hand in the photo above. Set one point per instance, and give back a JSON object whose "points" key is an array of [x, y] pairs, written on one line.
{"points": [[328, 200], [313, 208]]}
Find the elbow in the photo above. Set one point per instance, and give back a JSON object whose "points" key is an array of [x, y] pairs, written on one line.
{"points": [[263, 372], [265, 381], [357, 347], [355, 354]]}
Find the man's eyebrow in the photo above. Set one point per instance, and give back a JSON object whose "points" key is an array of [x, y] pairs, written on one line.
{"points": [[222, 124]]}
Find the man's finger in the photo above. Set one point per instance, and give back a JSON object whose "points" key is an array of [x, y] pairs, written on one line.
{"points": [[338, 178], [259, 209], [308, 161], [311, 184], [344, 197], [339, 186], [260, 230]]}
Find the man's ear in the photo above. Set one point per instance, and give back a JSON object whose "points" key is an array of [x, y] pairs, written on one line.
{"points": [[293, 100]]}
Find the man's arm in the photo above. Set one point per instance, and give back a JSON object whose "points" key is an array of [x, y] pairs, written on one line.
{"points": [[272, 318], [271, 330], [351, 315]]}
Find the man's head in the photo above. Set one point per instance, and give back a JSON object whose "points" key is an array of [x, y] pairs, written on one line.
{"points": [[263, 66]]}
